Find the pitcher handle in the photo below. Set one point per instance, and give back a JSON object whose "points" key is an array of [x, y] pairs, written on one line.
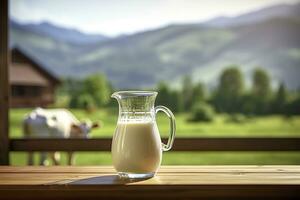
{"points": [[168, 112]]}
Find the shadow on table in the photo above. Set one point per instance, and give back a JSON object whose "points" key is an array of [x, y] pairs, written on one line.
{"points": [[105, 180]]}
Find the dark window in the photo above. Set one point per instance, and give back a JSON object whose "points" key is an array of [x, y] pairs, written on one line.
{"points": [[18, 91], [25, 91]]}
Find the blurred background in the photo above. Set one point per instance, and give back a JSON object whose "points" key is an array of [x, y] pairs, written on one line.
{"points": [[226, 68]]}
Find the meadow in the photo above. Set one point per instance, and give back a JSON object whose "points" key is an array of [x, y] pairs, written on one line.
{"points": [[222, 126]]}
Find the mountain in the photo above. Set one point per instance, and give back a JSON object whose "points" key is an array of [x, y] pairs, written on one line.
{"points": [[276, 11], [60, 33], [273, 45], [166, 54]]}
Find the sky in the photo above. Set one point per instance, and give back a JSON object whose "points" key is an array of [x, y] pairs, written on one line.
{"points": [[116, 17]]}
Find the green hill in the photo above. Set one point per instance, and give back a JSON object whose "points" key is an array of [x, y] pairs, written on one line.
{"points": [[143, 59]]}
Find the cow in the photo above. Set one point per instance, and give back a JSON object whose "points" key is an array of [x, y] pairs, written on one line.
{"points": [[54, 123]]}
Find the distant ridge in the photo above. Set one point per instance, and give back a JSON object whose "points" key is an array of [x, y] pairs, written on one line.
{"points": [[268, 38], [60, 33], [276, 11]]}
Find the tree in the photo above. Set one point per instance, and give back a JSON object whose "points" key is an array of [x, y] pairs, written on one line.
{"points": [[163, 97], [86, 102], [176, 101], [187, 92], [248, 104], [202, 112], [70, 86], [97, 86], [293, 106], [169, 98], [229, 91], [74, 88], [198, 94], [280, 99], [261, 91], [91, 92]]}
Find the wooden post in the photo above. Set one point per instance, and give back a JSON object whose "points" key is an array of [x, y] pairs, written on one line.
{"points": [[4, 84]]}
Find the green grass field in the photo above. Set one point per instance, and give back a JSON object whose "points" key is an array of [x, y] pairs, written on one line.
{"points": [[270, 126]]}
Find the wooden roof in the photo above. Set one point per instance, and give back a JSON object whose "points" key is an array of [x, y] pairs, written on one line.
{"points": [[24, 70], [24, 74]]}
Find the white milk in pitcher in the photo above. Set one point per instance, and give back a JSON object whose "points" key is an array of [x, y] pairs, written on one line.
{"points": [[136, 147]]}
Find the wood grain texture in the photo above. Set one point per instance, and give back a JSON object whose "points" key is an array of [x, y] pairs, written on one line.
{"points": [[180, 144], [171, 182], [4, 87]]}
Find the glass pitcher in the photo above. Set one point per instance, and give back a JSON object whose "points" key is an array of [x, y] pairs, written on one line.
{"points": [[136, 146]]}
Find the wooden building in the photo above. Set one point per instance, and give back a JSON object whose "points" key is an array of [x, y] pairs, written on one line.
{"points": [[30, 83]]}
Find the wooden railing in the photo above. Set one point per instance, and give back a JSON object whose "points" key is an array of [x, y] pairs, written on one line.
{"points": [[180, 144]]}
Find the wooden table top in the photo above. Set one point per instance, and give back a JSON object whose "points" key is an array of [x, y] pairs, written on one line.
{"points": [[179, 182]]}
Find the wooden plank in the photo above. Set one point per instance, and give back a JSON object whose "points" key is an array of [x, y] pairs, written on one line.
{"points": [[4, 85], [174, 169], [165, 175], [180, 144], [162, 178], [208, 192], [192, 182]]}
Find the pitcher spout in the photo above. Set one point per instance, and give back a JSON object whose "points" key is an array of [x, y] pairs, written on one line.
{"points": [[135, 101], [116, 95], [133, 94]]}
